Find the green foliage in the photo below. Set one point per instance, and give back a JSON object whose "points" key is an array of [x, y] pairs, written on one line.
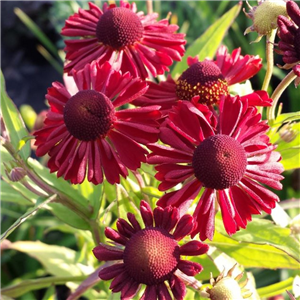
{"points": [[13, 123]]}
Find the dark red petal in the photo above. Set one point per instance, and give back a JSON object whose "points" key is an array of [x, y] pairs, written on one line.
{"points": [[106, 253], [124, 228], [228, 212], [146, 213], [184, 227], [205, 215], [115, 236], [110, 272], [135, 224], [166, 218], [293, 11], [149, 293], [258, 98], [112, 165], [120, 282], [193, 248], [189, 268], [129, 291], [178, 287], [237, 68], [162, 292]]}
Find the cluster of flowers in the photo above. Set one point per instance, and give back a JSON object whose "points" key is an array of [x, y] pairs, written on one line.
{"points": [[204, 140]]}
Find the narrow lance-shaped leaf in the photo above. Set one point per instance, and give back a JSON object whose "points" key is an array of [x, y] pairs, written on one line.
{"points": [[13, 122]]}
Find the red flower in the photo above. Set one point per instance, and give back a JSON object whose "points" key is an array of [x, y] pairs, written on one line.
{"points": [[150, 256], [89, 133], [126, 38], [229, 164], [289, 33], [207, 79]]}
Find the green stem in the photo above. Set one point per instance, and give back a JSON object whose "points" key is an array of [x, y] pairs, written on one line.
{"points": [[287, 80], [270, 59]]}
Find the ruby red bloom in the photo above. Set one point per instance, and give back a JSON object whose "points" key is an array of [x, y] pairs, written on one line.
{"points": [[126, 38], [289, 33], [90, 133], [229, 164], [150, 256], [207, 79]]}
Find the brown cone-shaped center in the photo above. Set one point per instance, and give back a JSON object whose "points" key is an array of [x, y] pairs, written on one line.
{"points": [[297, 43], [204, 79], [88, 115], [151, 256], [119, 27], [219, 162]]}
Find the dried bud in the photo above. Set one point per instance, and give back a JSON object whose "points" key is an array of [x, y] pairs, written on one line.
{"points": [[264, 16]]}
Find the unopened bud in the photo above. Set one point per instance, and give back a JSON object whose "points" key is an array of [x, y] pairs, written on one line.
{"points": [[16, 174]]}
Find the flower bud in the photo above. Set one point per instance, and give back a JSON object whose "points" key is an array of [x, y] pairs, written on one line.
{"points": [[264, 16], [17, 174]]}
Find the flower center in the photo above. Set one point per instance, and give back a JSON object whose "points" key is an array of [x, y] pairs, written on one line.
{"points": [[204, 79], [297, 43], [219, 162], [119, 27], [151, 256], [88, 115]]}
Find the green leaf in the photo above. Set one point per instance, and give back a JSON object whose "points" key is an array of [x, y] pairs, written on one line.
{"points": [[13, 122], [9, 194], [57, 260], [265, 232], [276, 288], [68, 216], [207, 44], [253, 255], [93, 193], [25, 286], [30, 212], [286, 117]]}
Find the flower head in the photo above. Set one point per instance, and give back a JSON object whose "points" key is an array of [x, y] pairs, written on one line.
{"points": [[208, 80], [289, 33], [150, 256], [126, 38], [90, 132], [264, 16], [229, 163]]}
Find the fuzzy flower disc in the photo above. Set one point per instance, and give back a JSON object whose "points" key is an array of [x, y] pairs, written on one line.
{"points": [[156, 254], [204, 79], [119, 27], [88, 115], [219, 162]]}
